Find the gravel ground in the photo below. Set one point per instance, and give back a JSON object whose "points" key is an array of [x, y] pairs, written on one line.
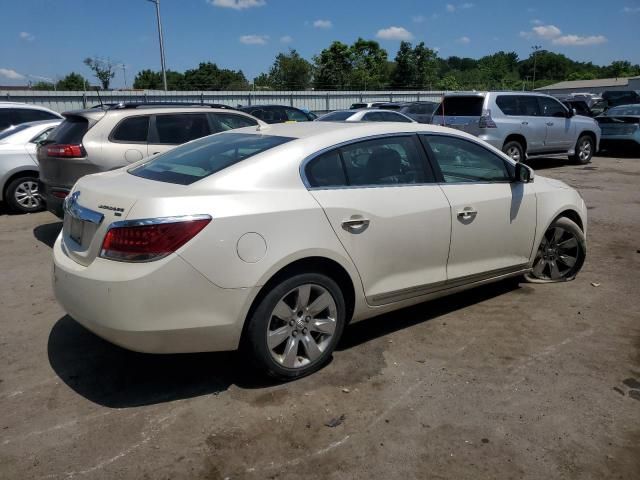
{"points": [[505, 381]]}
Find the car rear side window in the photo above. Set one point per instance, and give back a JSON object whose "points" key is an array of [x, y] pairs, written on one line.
{"points": [[132, 130], [70, 131], [461, 106], [384, 161], [326, 171], [31, 115], [336, 116], [189, 163], [294, 115], [230, 121], [174, 129], [464, 161], [519, 105]]}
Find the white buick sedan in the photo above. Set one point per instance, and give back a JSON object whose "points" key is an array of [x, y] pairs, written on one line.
{"points": [[273, 239]]}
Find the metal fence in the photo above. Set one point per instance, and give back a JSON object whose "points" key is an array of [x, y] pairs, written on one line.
{"points": [[317, 101]]}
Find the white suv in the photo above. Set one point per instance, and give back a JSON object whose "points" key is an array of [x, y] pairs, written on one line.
{"points": [[521, 124]]}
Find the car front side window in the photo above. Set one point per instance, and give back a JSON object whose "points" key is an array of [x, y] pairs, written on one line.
{"points": [[461, 160], [551, 108]]}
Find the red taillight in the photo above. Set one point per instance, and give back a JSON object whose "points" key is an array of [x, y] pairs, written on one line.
{"points": [[486, 121], [66, 151], [58, 194], [143, 243]]}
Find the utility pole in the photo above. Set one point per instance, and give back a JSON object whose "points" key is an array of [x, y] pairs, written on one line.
{"points": [[162, 62], [535, 49]]}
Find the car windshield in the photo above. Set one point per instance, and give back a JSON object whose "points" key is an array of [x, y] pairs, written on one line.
{"points": [[335, 116], [623, 110], [200, 158]]}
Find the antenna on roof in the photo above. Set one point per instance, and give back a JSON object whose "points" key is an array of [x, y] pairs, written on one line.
{"points": [[262, 126]]}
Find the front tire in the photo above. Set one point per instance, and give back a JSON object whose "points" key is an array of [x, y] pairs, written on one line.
{"points": [[561, 253], [584, 150], [22, 195], [296, 326], [515, 150]]}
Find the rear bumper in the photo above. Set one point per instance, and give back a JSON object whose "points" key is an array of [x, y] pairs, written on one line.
{"points": [[620, 139], [53, 203], [156, 307]]}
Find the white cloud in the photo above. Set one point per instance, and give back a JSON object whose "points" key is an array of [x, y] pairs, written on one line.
{"points": [[464, 40], [418, 18], [394, 33], [547, 31], [286, 39], [579, 41], [237, 4], [451, 8], [10, 74], [254, 39], [463, 6], [631, 10], [323, 24], [554, 35], [535, 21], [27, 36], [466, 5]]}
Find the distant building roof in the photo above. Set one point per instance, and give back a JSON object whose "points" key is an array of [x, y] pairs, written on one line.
{"points": [[580, 84]]}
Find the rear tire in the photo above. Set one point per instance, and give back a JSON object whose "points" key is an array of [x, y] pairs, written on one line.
{"points": [[561, 253], [514, 150], [584, 150], [22, 195], [296, 326]]}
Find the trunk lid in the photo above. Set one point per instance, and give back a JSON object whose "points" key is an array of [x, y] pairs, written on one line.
{"points": [[622, 125], [99, 200]]}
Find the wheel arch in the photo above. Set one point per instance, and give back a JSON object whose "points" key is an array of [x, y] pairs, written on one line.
{"points": [[518, 138], [23, 172], [590, 134], [572, 215], [316, 264]]}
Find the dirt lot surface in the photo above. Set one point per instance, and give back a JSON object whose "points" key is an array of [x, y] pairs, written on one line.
{"points": [[506, 381]]}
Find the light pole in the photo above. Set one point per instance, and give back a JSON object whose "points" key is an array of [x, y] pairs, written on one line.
{"points": [[535, 49], [164, 71]]}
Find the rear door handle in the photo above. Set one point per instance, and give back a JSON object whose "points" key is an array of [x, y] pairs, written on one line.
{"points": [[525, 123], [355, 225], [550, 124]]}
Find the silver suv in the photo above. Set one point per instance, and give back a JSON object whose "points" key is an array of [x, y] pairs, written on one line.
{"points": [[100, 139], [521, 124]]}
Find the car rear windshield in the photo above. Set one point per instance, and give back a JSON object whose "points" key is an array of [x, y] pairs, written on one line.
{"points": [[461, 106], [200, 158], [623, 110], [335, 117], [70, 131]]}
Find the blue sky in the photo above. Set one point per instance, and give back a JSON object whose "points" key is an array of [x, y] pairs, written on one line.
{"points": [[49, 38]]}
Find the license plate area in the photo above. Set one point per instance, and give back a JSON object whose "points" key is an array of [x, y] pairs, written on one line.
{"points": [[76, 229]]}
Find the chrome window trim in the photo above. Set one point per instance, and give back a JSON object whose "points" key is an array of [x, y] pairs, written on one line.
{"points": [[72, 208], [306, 160], [141, 222]]}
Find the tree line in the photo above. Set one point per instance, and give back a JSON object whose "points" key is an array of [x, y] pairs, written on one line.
{"points": [[365, 65]]}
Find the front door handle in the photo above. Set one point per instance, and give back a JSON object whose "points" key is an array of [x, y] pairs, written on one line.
{"points": [[467, 214], [549, 124], [525, 123], [355, 224]]}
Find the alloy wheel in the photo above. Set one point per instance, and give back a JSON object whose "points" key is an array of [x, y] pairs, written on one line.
{"points": [[584, 150], [514, 153], [27, 196], [557, 254], [301, 326]]}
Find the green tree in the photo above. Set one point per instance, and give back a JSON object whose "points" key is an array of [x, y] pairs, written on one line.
{"points": [[426, 67], [333, 67], [73, 81], [262, 82], [42, 86], [369, 69], [209, 77], [103, 69], [403, 72], [152, 80], [290, 72]]}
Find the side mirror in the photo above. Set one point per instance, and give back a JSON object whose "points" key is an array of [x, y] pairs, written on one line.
{"points": [[571, 112], [524, 174]]}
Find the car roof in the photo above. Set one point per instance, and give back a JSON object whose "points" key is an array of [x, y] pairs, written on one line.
{"points": [[125, 112], [25, 105], [250, 107]]}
